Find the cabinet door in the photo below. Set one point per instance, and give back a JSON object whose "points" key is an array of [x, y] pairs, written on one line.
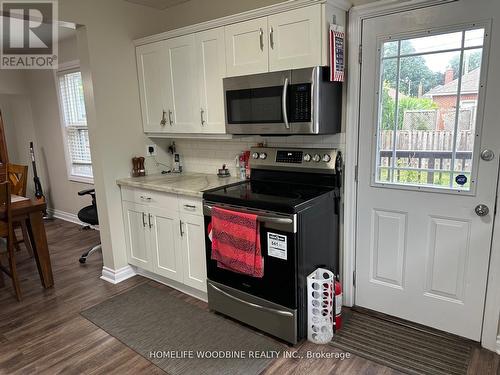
{"points": [[182, 83], [153, 89], [295, 39], [247, 47], [211, 61], [165, 243], [137, 235], [193, 251]]}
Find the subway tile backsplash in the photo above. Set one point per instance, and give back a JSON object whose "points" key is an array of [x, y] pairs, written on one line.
{"points": [[207, 155]]}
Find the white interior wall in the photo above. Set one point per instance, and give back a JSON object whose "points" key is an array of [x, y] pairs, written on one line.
{"points": [[107, 57], [61, 193]]}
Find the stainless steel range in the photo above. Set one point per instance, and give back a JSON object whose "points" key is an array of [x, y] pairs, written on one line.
{"points": [[295, 193]]}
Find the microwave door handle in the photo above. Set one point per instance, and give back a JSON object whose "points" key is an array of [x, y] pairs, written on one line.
{"points": [[283, 103]]}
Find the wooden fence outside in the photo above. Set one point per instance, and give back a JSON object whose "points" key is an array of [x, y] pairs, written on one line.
{"points": [[426, 140], [427, 150]]}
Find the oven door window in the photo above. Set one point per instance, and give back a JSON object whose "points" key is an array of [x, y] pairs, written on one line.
{"points": [[255, 106]]}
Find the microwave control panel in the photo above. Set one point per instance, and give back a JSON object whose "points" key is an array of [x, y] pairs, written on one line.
{"points": [[299, 102]]}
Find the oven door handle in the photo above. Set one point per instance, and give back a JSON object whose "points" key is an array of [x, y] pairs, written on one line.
{"points": [[283, 103], [266, 219], [254, 305]]}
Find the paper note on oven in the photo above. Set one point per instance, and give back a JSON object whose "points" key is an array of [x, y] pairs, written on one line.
{"points": [[276, 245]]}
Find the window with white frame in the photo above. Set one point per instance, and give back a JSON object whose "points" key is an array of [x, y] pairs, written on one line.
{"points": [[74, 124]]}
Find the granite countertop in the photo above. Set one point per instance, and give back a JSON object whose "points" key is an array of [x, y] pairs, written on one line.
{"points": [[185, 183]]}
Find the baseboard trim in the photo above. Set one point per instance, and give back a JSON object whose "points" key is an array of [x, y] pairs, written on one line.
{"points": [[173, 284], [69, 217], [117, 276], [66, 216], [498, 344]]}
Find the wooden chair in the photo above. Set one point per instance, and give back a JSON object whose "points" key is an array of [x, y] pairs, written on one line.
{"points": [[17, 175], [7, 231]]}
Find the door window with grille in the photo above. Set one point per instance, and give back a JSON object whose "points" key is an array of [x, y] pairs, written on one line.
{"points": [[74, 122], [427, 110]]}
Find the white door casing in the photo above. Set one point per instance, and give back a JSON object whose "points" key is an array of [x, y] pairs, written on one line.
{"points": [[421, 254], [294, 38], [211, 63]]}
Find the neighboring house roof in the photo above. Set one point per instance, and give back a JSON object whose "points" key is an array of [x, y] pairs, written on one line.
{"points": [[470, 84]]}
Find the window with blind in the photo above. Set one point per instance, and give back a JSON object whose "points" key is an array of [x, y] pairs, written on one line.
{"points": [[74, 122]]}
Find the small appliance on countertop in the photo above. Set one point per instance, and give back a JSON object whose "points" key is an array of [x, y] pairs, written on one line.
{"points": [[295, 193]]}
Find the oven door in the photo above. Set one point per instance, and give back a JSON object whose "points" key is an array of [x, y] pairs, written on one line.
{"points": [[278, 239]]}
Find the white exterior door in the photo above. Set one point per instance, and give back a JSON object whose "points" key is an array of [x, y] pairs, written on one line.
{"points": [[211, 62], [422, 250], [137, 235], [165, 244], [294, 38], [247, 47], [193, 251], [153, 79], [182, 83]]}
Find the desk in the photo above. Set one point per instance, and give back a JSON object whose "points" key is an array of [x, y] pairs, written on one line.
{"points": [[31, 211]]}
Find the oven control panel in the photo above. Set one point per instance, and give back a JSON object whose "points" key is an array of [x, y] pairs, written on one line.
{"points": [[314, 160], [284, 156]]}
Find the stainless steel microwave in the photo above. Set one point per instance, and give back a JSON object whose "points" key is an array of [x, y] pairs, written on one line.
{"points": [[299, 101]]}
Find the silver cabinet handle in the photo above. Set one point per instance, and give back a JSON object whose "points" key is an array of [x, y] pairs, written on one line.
{"points": [[144, 198], [261, 38], [201, 116], [254, 305], [149, 220], [190, 206], [163, 121], [264, 219], [144, 219], [180, 228], [283, 103], [170, 117], [271, 37]]}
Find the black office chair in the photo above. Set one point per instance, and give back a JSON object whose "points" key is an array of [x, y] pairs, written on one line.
{"points": [[88, 215]]}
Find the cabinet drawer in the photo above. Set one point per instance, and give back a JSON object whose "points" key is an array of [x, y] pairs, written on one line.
{"points": [[165, 200], [191, 205]]}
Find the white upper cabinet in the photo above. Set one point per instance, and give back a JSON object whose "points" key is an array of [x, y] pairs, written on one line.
{"points": [[181, 77], [181, 69], [211, 63], [153, 78], [247, 47], [295, 38]]}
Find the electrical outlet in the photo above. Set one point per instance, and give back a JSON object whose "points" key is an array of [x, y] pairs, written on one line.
{"points": [[151, 150]]}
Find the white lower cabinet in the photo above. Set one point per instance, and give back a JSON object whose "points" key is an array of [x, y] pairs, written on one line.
{"points": [[193, 250], [163, 240], [137, 236], [165, 243]]}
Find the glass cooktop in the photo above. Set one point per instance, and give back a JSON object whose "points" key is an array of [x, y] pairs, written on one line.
{"points": [[273, 196]]}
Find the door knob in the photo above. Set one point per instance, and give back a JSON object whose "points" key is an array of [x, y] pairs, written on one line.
{"points": [[482, 210], [487, 155]]}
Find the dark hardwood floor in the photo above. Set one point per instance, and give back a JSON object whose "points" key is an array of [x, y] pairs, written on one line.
{"points": [[46, 334]]}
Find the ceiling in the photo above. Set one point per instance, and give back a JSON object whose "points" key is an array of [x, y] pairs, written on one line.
{"points": [[164, 4], [158, 4]]}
